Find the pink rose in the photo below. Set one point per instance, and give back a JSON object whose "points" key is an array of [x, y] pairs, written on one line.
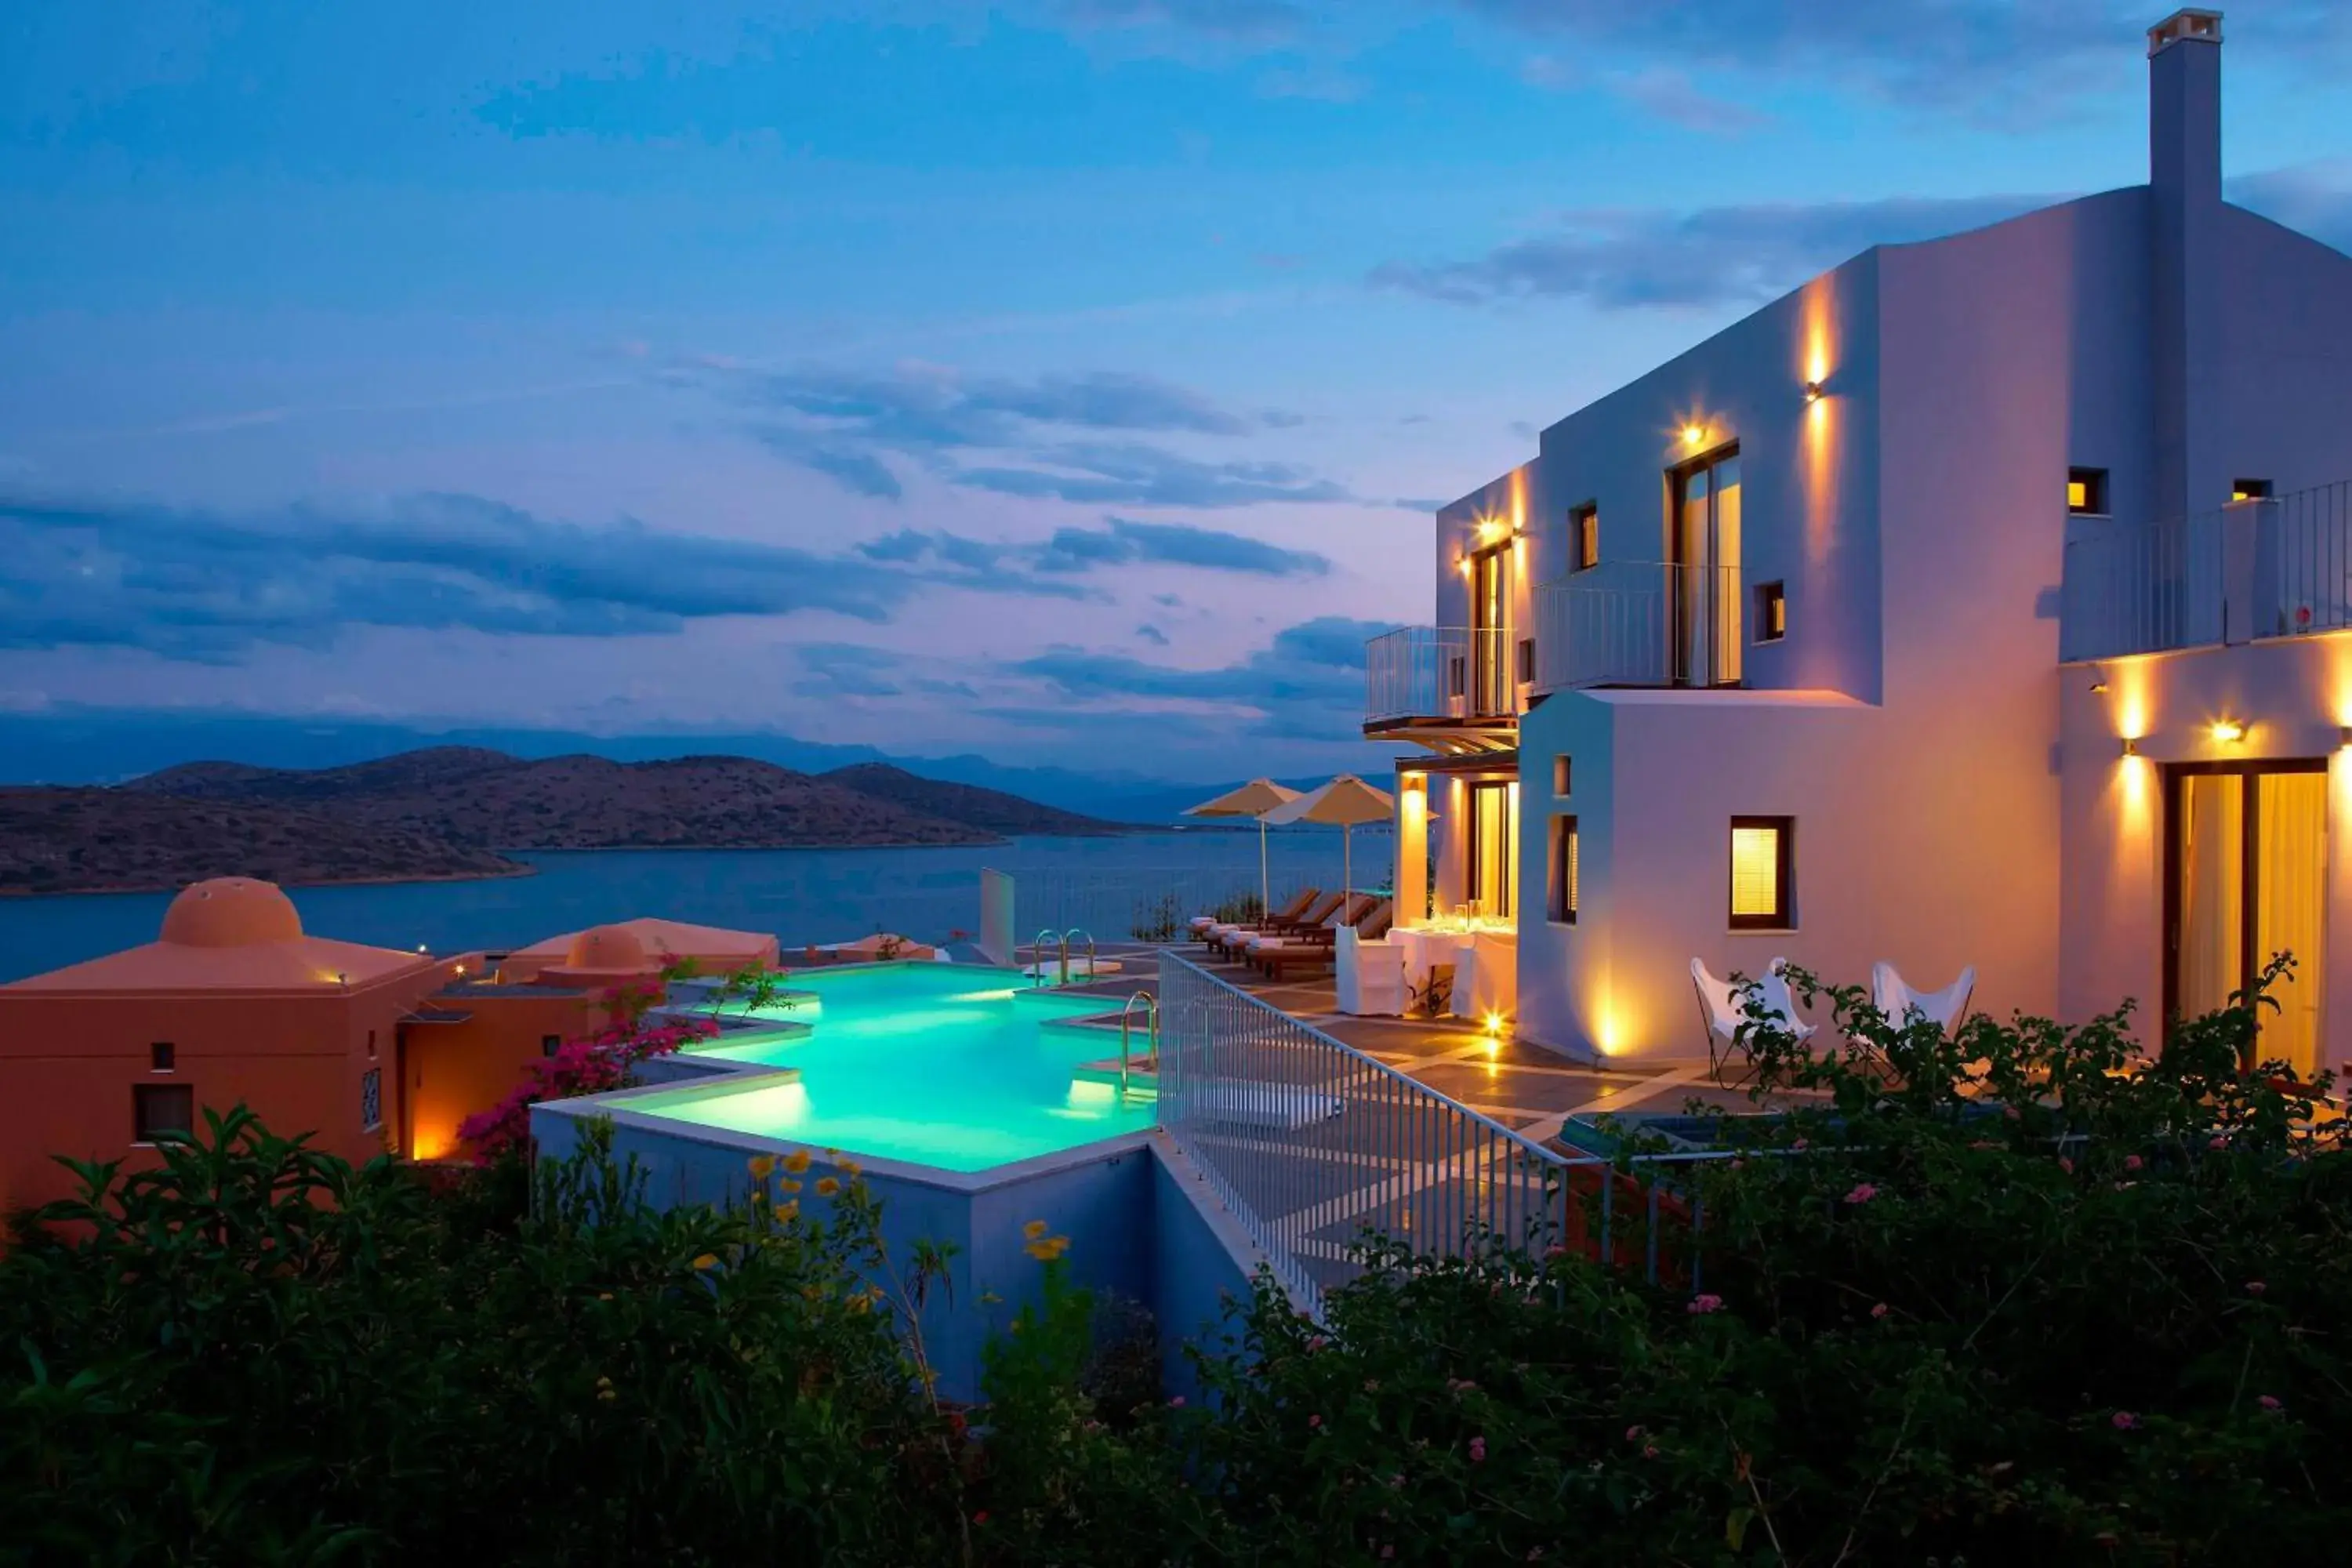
{"points": [[2269, 1402], [1703, 1304], [1879, 1311], [2125, 1420], [1478, 1450], [1862, 1193]]}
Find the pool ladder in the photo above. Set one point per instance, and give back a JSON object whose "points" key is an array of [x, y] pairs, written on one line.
{"points": [[1048, 937], [1151, 1031]]}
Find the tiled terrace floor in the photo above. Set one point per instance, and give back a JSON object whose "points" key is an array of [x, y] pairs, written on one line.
{"points": [[1524, 1086]]}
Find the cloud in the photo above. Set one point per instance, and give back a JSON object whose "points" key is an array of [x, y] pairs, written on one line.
{"points": [[2314, 198], [1120, 542], [1418, 503], [1307, 684], [1621, 259], [210, 587], [1152, 635], [1070, 438], [1247, 21]]}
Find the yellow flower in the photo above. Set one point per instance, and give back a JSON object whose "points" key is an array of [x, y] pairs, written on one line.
{"points": [[762, 1164], [847, 1167], [788, 1210], [859, 1304], [1047, 1249], [797, 1161], [989, 1298], [1033, 1229], [708, 1260], [827, 1187], [788, 1184]]}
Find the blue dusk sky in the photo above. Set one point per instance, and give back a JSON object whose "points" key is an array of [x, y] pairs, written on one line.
{"points": [[1067, 382]]}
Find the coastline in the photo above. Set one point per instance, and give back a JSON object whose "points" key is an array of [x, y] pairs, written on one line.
{"points": [[174, 887]]}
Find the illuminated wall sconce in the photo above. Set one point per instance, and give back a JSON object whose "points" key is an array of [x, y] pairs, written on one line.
{"points": [[1813, 392], [2098, 689], [2131, 745], [2229, 731], [1694, 434], [2344, 738]]}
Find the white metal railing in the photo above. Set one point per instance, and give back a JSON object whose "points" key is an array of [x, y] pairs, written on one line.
{"points": [[1308, 1142], [1639, 623], [1441, 672], [2266, 567]]}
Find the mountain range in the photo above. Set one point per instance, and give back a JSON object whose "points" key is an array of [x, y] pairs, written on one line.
{"points": [[450, 811]]}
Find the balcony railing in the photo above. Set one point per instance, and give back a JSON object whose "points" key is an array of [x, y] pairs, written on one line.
{"points": [[2269, 567], [1639, 623], [1440, 672]]}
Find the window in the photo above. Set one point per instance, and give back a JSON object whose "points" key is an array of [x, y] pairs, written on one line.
{"points": [[1527, 660], [1559, 774], [1584, 536], [550, 1044], [1494, 846], [161, 1056], [1457, 677], [1563, 870], [1762, 861], [371, 1099], [2249, 490], [160, 1110], [1771, 612], [2086, 491]]}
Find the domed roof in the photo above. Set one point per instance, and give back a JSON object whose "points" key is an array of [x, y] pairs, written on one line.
{"points": [[613, 947], [231, 911]]}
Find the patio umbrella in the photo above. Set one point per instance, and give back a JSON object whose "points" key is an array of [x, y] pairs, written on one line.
{"points": [[1255, 798], [1344, 802]]}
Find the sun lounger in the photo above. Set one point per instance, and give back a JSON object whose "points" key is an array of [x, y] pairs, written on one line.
{"points": [[1228, 942], [1201, 925]]}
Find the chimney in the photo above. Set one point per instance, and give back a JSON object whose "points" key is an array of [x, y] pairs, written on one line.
{"points": [[2184, 178]]}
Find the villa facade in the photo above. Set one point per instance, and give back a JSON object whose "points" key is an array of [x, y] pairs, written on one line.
{"points": [[1985, 601]]}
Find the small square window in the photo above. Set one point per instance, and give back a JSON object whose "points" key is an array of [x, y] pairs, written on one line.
{"points": [[1559, 774], [550, 1044], [1527, 657], [1563, 870], [2249, 490], [1584, 535], [162, 1057], [1771, 612], [2086, 492], [161, 1111], [1763, 864]]}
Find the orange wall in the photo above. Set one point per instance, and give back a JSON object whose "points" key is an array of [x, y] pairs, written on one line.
{"points": [[67, 1065], [455, 1070]]}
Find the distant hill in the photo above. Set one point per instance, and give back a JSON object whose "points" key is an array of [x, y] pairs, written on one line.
{"points": [[990, 809], [485, 798], [94, 841]]}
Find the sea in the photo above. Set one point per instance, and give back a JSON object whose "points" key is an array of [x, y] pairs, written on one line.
{"points": [[1113, 888]]}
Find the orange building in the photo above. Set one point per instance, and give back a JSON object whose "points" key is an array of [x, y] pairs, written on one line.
{"points": [[232, 1002], [365, 1049]]}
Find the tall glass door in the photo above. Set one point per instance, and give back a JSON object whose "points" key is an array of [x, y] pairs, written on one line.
{"points": [[1704, 563], [2247, 878], [1491, 845], [1489, 608]]}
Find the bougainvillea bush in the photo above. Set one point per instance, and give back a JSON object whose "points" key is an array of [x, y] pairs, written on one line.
{"points": [[594, 1064]]}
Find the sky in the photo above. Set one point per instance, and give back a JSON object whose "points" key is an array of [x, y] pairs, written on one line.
{"points": [[1067, 382]]}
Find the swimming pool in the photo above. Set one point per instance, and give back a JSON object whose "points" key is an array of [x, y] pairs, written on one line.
{"points": [[952, 1066]]}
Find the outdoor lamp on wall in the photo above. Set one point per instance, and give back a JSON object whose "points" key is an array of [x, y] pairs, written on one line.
{"points": [[2131, 745], [1694, 434], [2229, 731], [1813, 392]]}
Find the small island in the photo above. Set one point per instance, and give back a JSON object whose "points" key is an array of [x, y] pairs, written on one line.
{"points": [[451, 812]]}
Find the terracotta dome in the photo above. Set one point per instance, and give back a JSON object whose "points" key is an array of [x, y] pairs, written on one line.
{"points": [[231, 911], [603, 948]]}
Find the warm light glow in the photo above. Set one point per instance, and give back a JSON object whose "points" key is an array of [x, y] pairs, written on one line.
{"points": [[1755, 871], [2229, 731], [2131, 746], [1813, 392], [1494, 1024], [2078, 495], [1694, 434], [1465, 564]]}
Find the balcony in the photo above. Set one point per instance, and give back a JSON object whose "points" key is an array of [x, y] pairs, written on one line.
{"points": [[2272, 567], [1442, 684], [1639, 623]]}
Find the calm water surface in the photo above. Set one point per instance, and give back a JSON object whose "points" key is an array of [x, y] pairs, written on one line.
{"points": [[802, 895]]}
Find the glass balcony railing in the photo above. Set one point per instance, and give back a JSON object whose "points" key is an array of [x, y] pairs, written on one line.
{"points": [[1639, 623], [1458, 673]]}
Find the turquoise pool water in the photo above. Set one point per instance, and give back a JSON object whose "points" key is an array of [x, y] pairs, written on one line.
{"points": [[946, 1065]]}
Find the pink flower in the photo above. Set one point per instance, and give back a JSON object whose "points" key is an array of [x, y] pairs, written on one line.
{"points": [[1478, 1450], [2255, 1287], [1705, 1303], [1879, 1311], [1554, 1251], [2125, 1421], [1396, 1481], [2065, 1164], [2132, 1161], [1649, 1450], [1983, 1143], [1316, 1343], [1799, 1144], [2217, 1142], [1314, 1421], [1177, 1403], [1862, 1193], [2012, 1113], [2269, 1402], [1636, 1434]]}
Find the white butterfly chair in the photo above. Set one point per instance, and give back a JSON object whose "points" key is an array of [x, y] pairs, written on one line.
{"points": [[1898, 999], [1486, 978], [1723, 1009], [1370, 976]]}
